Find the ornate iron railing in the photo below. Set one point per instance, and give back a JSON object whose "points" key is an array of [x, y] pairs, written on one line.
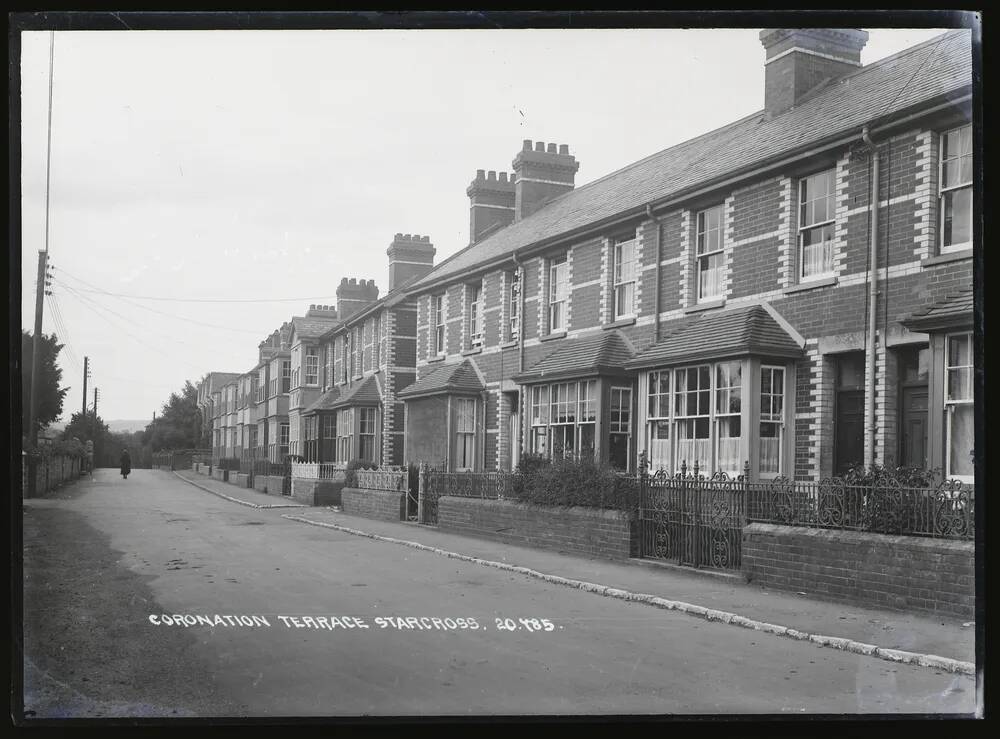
{"points": [[336, 471], [390, 479], [885, 507], [267, 467], [485, 485], [305, 470]]}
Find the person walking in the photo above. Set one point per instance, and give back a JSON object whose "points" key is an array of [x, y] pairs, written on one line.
{"points": [[126, 462]]}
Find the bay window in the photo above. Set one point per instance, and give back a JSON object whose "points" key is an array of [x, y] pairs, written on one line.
{"points": [[692, 415], [312, 367], [817, 210], [959, 415], [711, 261], [328, 444], [345, 435], [956, 189], [366, 434], [625, 277], [283, 440], [539, 414], [563, 419], [728, 416], [558, 293], [620, 428], [658, 419], [465, 434], [286, 375], [772, 402]]}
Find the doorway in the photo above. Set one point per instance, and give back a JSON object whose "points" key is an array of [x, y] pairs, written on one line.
{"points": [[849, 412], [913, 406]]}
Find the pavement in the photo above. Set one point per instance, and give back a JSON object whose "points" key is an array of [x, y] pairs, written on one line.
{"points": [[152, 597], [730, 593]]}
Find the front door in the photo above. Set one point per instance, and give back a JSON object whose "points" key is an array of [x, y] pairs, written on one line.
{"points": [[850, 425], [913, 449]]}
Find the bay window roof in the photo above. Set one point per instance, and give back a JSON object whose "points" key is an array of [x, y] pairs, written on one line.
{"points": [[325, 402], [360, 393], [951, 312], [598, 354], [748, 330], [460, 377]]}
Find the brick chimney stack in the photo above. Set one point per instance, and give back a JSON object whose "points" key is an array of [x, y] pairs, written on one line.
{"points": [[800, 60], [353, 295], [409, 256], [321, 311], [542, 174], [491, 202]]}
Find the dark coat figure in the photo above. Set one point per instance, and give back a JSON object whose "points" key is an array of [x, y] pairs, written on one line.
{"points": [[126, 462]]}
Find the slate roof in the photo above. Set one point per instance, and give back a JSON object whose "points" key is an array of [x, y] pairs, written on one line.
{"points": [[915, 76], [324, 402], [954, 311], [731, 333], [597, 354], [458, 377], [360, 393], [312, 327]]}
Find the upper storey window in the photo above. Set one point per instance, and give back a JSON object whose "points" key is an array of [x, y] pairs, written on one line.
{"points": [[817, 208], [956, 189], [558, 292], [437, 305], [312, 367], [625, 271], [476, 314], [514, 311], [711, 262]]}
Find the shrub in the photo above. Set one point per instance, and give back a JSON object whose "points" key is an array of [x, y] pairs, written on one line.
{"points": [[573, 482], [356, 464], [890, 499]]}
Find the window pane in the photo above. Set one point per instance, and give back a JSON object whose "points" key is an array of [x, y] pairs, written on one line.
{"points": [[957, 222], [961, 447]]}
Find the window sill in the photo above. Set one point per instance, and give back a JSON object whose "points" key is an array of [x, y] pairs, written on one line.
{"points": [[473, 350], [810, 284], [948, 256], [509, 344], [438, 358], [697, 308], [554, 335], [618, 323]]}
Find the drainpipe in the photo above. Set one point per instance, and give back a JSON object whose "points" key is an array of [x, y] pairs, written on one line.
{"points": [[656, 289], [520, 355], [870, 427]]}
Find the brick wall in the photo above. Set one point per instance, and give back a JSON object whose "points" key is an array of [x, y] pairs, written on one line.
{"points": [[586, 531], [239, 479], [378, 504], [317, 492], [910, 573], [220, 474]]}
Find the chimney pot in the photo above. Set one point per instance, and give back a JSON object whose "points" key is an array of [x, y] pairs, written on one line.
{"points": [[552, 149], [480, 174], [526, 145], [539, 146], [563, 149]]}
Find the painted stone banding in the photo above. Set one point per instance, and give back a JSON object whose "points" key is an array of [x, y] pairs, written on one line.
{"points": [[848, 645]]}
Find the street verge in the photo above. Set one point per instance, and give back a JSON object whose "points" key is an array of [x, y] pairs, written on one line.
{"points": [[248, 504]]}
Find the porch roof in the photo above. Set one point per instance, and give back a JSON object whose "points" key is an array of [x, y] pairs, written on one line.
{"points": [[458, 377], [736, 332], [953, 311], [597, 354]]}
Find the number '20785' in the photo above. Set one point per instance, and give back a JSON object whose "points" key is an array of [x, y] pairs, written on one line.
{"points": [[524, 624]]}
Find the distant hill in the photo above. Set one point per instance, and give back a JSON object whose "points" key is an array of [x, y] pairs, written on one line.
{"points": [[127, 426]]}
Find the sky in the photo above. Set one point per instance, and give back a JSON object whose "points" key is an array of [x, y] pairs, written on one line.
{"points": [[189, 168]]}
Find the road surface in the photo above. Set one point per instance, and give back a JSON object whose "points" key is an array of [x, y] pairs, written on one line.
{"points": [[111, 564]]}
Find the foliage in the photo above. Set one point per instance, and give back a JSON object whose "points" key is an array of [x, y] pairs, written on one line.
{"points": [[50, 395], [88, 427], [888, 499], [878, 475], [179, 425], [413, 478], [573, 482], [356, 464]]}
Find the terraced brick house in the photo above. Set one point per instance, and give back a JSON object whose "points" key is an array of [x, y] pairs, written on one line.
{"points": [[304, 355], [278, 372], [366, 362], [715, 302], [209, 405]]}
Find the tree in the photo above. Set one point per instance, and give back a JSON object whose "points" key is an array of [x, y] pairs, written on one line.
{"points": [[89, 427], [179, 424], [50, 394]]}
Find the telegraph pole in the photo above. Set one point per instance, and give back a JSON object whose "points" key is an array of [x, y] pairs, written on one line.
{"points": [[86, 373], [96, 391], [43, 257]]}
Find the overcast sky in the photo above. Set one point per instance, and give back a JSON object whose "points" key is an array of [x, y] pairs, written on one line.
{"points": [[261, 165]]}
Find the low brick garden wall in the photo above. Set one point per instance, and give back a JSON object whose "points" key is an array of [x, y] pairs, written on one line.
{"points": [[378, 504], [317, 492], [220, 474], [590, 532], [260, 483], [925, 575], [240, 479]]}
